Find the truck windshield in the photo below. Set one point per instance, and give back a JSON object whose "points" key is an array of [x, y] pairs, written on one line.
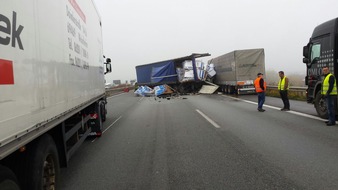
{"points": [[315, 51]]}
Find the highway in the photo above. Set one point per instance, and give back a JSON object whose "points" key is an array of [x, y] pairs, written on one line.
{"points": [[206, 142]]}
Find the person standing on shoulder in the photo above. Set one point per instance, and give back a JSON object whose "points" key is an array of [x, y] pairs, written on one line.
{"points": [[329, 92], [283, 87], [260, 86]]}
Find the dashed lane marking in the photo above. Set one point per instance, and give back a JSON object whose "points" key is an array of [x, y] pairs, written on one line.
{"points": [[208, 119], [115, 96]]}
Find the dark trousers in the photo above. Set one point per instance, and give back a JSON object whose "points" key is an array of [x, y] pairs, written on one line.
{"points": [[261, 99], [284, 96], [330, 102]]}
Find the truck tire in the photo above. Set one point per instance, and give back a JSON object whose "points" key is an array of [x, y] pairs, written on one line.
{"points": [[99, 121], [181, 89], [103, 111], [320, 105], [8, 179], [223, 89], [232, 90], [42, 166]]}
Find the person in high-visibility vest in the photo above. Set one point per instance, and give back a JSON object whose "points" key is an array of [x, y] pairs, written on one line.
{"points": [[329, 91], [260, 86], [283, 87]]}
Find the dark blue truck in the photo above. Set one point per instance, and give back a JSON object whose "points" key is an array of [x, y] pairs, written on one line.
{"points": [[166, 72], [322, 50]]}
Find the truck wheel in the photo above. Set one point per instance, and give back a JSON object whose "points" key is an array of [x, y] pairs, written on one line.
{"points": [[99, 124], [8, 179], [232, 90], [223, 89], [181, 89], [320, 105], [103, 111], [42, 168]]}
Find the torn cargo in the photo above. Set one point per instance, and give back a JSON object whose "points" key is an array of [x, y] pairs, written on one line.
{"points": [[183, 75]]}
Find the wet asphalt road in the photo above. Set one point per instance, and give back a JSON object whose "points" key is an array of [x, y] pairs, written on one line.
{"points": [[206, 142]]}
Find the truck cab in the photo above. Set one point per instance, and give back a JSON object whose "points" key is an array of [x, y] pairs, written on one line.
{"points": [[319, 52]]}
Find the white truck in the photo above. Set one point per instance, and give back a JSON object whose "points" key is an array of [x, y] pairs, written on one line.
{"points": [[52, 87], [237, 70]]}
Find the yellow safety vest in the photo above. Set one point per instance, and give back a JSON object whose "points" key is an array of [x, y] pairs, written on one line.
{"points": [[281, 84], [325, 85]]}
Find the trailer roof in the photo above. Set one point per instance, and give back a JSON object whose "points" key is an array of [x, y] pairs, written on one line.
{"points": [[189, 57]]}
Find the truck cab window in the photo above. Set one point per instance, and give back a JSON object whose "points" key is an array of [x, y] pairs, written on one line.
{"points": [[315, 51]]}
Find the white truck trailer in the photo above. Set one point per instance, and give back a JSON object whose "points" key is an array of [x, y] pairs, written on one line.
{"points": [[52, 87], [237, 70]]}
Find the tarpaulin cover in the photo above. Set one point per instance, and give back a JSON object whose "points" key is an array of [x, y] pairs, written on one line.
{"points": [[164, 73], [161, 72]]}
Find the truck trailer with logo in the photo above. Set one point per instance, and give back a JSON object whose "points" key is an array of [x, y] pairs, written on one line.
{"points": [[321, 50], [237, 70], [52, 87]]}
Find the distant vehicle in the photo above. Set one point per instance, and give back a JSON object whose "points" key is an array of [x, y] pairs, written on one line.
{"points": [[319, 52], [52, 93], [184, 74], [117, 82], [237, 70], [108, 85]]}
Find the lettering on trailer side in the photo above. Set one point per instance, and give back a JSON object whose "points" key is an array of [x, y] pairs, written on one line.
{"points": [[77, 36], [13, 32]]}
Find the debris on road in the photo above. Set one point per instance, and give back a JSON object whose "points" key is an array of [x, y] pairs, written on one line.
{"points": [[208, 89], [156, 91]]}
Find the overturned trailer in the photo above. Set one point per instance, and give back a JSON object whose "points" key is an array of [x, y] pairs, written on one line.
{"points": [[184, 74]]}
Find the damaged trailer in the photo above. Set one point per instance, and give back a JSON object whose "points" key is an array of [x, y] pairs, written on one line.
{"points": [[184, 74], [237, 70]]}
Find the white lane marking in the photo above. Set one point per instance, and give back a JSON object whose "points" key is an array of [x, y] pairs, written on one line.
{"points": [[112, 124], [208, 119], [115, 95], [108, 127], [141, 99], [276, 108]]}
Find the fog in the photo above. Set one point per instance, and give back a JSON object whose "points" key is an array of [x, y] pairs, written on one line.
{"points": [[140, 32]]}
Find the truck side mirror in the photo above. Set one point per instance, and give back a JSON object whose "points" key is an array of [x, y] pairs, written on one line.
{"points": [[306, 80], [306, 60], [306, 51], [108, 60], [108, 68]]}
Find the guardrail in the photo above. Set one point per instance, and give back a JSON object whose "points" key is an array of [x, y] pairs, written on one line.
{"points": [[295, 92], [112, 91], [293, 88]]}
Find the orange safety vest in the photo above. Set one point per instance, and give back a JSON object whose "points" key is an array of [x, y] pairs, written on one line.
{"points": [[258, 86]]}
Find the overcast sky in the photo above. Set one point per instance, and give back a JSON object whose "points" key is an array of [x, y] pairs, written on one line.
{"points": [[138, 32]]}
